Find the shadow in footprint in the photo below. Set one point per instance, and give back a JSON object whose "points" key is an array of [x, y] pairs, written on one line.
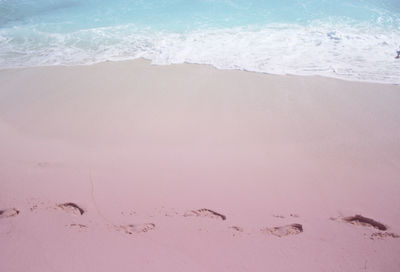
{"points": [[72, 207], [8, 213], [292, 229], [136, 228], [205, 213], [365, 221]]}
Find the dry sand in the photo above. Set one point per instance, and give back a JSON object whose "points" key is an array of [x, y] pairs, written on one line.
{"points": [[189, 168]]}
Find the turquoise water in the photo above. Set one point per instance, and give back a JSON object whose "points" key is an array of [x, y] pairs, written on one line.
{"points": [[355, 40]]}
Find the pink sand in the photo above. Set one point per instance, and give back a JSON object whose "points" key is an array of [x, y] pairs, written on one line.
{"points": [[134, 144]]}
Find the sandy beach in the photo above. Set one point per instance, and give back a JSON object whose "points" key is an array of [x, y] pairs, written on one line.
{"points": [[128, 166]]}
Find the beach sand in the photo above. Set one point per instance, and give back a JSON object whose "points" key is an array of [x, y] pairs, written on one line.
{"points": [[127, 166]]}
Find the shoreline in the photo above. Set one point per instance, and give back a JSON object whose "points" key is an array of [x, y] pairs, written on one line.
{"points": [[201, 64], [130, 166]]}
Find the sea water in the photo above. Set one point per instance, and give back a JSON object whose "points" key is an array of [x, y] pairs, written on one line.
{"points": [[348, 39]]}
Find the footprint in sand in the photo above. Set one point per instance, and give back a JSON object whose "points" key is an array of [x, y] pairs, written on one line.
{"points": [[236, 230], [71, 208], [36, 204], [383, 235], [280, 216], [8, 213], [364, 221], [369, 222], [77, 226], [292, 229], [205, 213], [136, 228]]}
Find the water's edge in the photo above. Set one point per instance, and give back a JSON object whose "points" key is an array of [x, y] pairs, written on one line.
{"points": [[149, 62]]}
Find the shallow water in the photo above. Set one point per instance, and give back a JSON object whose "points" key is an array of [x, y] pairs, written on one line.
{"points": [[355, 40]]}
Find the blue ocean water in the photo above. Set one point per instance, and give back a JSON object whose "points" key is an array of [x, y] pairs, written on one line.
{"points": [[349, 39]]}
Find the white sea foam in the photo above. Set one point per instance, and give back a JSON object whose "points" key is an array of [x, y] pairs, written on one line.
{"points": [[353, 52]]}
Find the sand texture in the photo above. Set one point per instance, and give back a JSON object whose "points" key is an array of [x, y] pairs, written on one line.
{"points": [[128, 166]]}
